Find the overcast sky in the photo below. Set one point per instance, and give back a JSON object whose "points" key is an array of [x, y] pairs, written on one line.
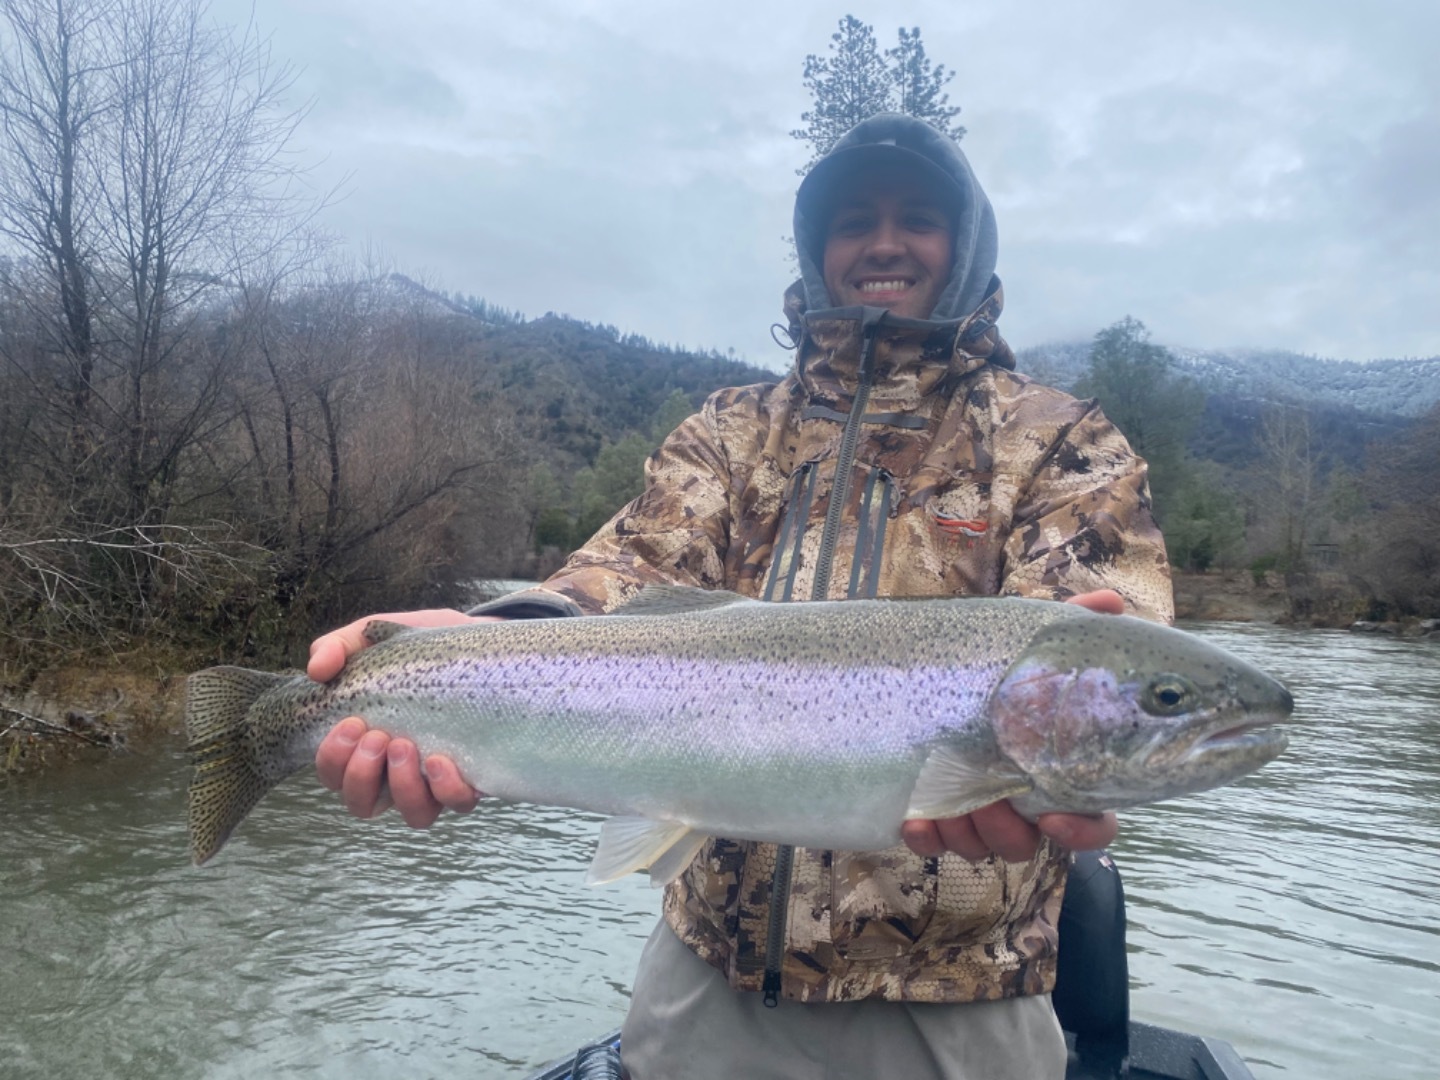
{"points": [[1233, 174]]}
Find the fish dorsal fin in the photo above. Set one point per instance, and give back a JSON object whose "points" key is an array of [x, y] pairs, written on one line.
{"points": [[628, 844], [674, 599], [951, 784], [378, 630]]}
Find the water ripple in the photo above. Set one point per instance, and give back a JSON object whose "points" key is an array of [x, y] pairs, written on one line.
{"points": [[1292, 914]]}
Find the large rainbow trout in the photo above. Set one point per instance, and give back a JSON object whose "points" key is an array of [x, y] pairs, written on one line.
{"points": [[691, 714]]}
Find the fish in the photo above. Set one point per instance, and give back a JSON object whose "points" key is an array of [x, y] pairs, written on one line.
{"points": [[691, 713]]}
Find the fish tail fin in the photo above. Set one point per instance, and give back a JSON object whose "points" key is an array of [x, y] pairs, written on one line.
{"points": [[226, 785]]}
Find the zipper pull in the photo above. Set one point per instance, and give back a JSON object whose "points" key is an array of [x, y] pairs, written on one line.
{"points": [[771, 988]]}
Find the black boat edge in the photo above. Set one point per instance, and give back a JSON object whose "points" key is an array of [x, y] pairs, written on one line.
{"points": [[1091, 998], [1156, 1053]]}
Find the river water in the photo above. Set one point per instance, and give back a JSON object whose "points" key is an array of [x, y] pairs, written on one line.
{"points": [[1296, 914]]}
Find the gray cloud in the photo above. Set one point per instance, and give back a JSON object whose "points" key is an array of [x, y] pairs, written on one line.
{"points": [[1232, 176]]}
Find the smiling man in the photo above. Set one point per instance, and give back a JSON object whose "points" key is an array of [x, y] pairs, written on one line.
{"points": [[902, 456], [889, 242]]}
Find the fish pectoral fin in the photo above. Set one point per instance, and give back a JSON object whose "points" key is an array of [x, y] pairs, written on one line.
{"points": [[628, 844], [951, 784]]}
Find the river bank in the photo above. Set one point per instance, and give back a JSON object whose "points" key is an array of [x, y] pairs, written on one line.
{"points": [[1319, 600], [1233, 596], [80, 710]]}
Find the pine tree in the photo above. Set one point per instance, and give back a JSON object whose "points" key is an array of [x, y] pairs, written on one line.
{"points": [[854, 82], [919, 89], [1154, 408], [849, 85]]}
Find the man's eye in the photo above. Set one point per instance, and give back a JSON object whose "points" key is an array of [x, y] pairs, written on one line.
{"points": [[850, 226], [924, 222]]}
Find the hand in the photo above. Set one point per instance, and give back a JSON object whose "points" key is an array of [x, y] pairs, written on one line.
{"points": [[358, 762], [997, 829]]}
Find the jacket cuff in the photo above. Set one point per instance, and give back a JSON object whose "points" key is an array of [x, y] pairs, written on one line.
{"points": [[528, 604]]}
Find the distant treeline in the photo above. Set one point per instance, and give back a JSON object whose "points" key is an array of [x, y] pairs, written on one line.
{"points": [[1344, 505], [215, 434]]}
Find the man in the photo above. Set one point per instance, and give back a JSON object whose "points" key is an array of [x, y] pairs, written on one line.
{"points": [[901, 457]]}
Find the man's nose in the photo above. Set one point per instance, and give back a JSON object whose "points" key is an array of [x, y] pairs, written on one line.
{"points": [[886, 241]]}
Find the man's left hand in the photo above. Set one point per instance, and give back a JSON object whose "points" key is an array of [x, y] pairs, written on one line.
{"points": [[997, 829]]}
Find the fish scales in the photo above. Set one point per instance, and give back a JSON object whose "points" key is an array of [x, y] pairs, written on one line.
{"points": [[818, 724]]}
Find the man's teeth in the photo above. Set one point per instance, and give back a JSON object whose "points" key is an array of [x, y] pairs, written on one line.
{"points": [[884, 286]]}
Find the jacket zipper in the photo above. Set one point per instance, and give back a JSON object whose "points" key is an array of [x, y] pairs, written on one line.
{"points": [[829, 537]]}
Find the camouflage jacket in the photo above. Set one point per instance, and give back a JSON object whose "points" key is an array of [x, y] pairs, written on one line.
{"points": [[965, 479]]}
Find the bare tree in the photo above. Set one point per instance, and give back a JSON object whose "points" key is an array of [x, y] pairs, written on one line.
{"points": [[52, 98], [1288, 477], [192, 180], [364, 437], [144, 180]]}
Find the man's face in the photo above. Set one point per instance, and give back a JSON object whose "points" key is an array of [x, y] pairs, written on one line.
{"points": [[888, 243]]}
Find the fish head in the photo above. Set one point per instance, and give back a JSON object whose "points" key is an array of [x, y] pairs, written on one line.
{"points": [[1107, 711]]}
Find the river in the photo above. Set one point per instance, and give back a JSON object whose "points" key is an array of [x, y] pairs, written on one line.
{"points": [[1294, 914]]}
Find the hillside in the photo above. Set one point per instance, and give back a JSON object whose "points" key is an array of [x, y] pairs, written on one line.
{"points": [[1379, 387], [575, 386], [579, 385]]}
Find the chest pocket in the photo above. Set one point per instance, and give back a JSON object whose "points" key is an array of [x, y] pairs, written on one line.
{"points": [[857, 547]]}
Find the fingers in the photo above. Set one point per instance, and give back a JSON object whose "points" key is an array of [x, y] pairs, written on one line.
{"points": [[1080, 832], [922, 837], [1105, 601], [447, 786], [361, 788], [408, 787], [335, 751], [373, 772], [991, 830], [1005, 832], [995, 829], [329, 652]]}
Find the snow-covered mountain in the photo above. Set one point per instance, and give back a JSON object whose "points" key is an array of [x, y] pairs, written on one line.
{"points": [[1384, 387]]}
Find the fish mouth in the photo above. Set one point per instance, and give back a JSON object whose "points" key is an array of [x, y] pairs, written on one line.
{"points": [[1261, 735]]}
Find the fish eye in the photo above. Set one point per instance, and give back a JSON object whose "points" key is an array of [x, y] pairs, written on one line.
{"points": [[1167, 695]]}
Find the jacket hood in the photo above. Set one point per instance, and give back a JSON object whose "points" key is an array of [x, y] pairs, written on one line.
{"points": [[896, 136], [911, 357]]}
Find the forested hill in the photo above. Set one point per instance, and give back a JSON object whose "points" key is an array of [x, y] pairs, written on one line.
{"points": [[577, 385], [585, 385], [1379, 387], [1352, 405]]}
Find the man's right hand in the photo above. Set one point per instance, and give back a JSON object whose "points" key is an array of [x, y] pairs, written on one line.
{"points": [[358, 761]]}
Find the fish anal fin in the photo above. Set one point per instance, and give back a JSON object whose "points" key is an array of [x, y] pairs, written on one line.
{"points": [[673, 863], [675, 599], [951, 784], [628, 844]]}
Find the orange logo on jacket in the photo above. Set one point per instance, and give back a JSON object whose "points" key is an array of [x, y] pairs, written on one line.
{"points": [[960, 527]]}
